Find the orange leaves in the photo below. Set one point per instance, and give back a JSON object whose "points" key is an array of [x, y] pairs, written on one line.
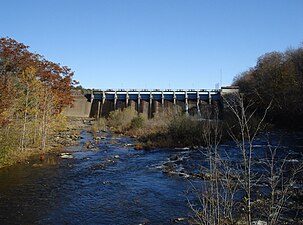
{"points": [[33, 91], [17, 57]]}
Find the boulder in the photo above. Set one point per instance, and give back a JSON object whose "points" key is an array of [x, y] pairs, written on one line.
{"points": [[174, 158], [259, 222], [66, 155]]}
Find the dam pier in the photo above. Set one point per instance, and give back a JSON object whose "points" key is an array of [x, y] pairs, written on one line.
{"points": [[100, 103]]}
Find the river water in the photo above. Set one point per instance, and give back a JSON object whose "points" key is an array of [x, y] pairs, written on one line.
{"points": [[109, 183]]}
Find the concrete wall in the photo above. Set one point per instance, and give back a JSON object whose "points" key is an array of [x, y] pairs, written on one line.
{"points": [[101, 103], [81, 107]]}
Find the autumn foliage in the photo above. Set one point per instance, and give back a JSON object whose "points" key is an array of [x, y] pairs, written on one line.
{"points": [[277, 79], [33, 92]]}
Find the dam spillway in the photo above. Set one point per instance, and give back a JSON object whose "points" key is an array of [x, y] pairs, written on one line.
{"points": [[192, 101]]}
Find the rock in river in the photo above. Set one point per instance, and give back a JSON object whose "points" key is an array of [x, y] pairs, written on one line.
{"points": [[66, 155]]}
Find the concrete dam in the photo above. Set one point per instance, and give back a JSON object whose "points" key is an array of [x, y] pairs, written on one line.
{"points": [[99, 103]]}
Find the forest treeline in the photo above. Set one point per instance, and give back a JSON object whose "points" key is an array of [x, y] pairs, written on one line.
{"points": [[33, 92], [276, 80]]}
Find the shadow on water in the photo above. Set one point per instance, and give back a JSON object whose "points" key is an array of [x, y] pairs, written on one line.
{"points": [[107, 183]]}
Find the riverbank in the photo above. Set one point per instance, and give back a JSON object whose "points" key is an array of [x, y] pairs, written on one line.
{"points": [[66, 137], [107, 181], [109, 184], [168, 128], [172, 128], [108, 165]]}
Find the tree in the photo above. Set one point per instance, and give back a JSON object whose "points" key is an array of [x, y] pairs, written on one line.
{"points": [[277, 78], [29, 88], [33, 92]]}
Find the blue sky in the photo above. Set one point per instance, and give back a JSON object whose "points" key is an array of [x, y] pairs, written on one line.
{"points": [[154, 43]]}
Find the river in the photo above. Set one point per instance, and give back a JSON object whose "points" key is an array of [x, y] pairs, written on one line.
{"points": [[108, 183]]}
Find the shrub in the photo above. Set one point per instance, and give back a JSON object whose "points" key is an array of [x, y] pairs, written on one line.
{"points": [[120, 120], [138, 121], [9, 142], [100, 124]]}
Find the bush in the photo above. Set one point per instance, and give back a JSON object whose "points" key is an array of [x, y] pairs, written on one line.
{"points": [[120, 120], [138, 121], [187, 131], [180, 130], [168, 128], [9, 142], [100, 124]]}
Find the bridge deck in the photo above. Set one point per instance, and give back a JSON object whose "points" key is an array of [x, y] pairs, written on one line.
{"points": [[158, 95]]}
